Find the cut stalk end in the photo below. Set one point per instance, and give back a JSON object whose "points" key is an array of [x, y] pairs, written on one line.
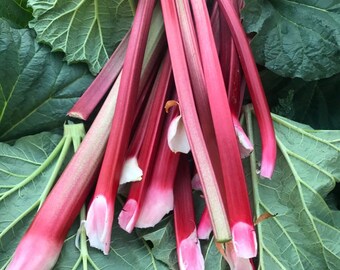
{"points": [[244, 240], [131, 171], [127, 217], [157, 203], [204, 227], [190, 255], [97, 224]]}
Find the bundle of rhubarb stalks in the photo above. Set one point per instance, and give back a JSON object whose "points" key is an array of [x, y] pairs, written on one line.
{"points": [[173, 93]]}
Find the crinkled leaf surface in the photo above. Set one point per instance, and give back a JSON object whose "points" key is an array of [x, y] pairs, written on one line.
{"points": [[304, 234], [128, 251], [315, 103], [212, 257], [163, 242], [295, 38], [36, 87], [16, 12], [17, 207], [85, 30]]}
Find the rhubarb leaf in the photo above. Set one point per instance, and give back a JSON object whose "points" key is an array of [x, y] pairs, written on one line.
{"points": [[128, 251], [19, 201], [36, 87], [87, 30], [162, 240], [314, 103], [304, 234], [295, 38], [16, 12], [212, 257]]}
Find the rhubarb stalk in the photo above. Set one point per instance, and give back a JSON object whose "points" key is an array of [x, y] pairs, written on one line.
{"points": [[191, 122], [188, 247], [255, 88], [204, 226], [41, 245], [129, 215], [159, 198], [238, 207], [100, 218], [101, 84]]}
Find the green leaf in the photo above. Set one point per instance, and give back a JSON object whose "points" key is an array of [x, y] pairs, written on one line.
{"points": [[85, 30], [16, 12], [295, 38], [212, 257], [128, 251], [163, 241], [36, 87], [304, 234], [314, 103], [22, 181]]}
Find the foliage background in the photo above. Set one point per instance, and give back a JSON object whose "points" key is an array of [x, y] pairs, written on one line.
{"points": [[297, 47]]}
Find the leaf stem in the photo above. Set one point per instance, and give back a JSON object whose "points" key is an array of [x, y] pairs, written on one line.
{"points": [[18, 219], [38, 171], [254, 174], [56, 170]]}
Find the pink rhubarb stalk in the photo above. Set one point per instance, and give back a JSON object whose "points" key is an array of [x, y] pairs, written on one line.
{"points": [[235, 262], [204, 226], [255, 88], [233, 78], [188, 247], [238, 207], [99, 224], [101, 84], [131, 170], [130, 213], [159, 198], [41, 245], [188, 109]]}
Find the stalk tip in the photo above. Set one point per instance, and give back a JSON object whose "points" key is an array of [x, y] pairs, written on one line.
{"points": [[127, 217], [131, 171], [190, 255], [157, 203], [244, 240], [97, 224]]}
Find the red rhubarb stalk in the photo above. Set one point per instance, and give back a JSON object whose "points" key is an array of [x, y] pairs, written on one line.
{"points": [[130, 213], [100, 218], [188, 247], [204, 226], [41, 245], [238, 207], [215, 24], [101, 84], [255, 88], [131, 170], [188, 109], [159, 198]]}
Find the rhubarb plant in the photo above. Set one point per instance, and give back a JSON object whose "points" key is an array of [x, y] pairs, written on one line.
{"points": [[47, 207]]}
